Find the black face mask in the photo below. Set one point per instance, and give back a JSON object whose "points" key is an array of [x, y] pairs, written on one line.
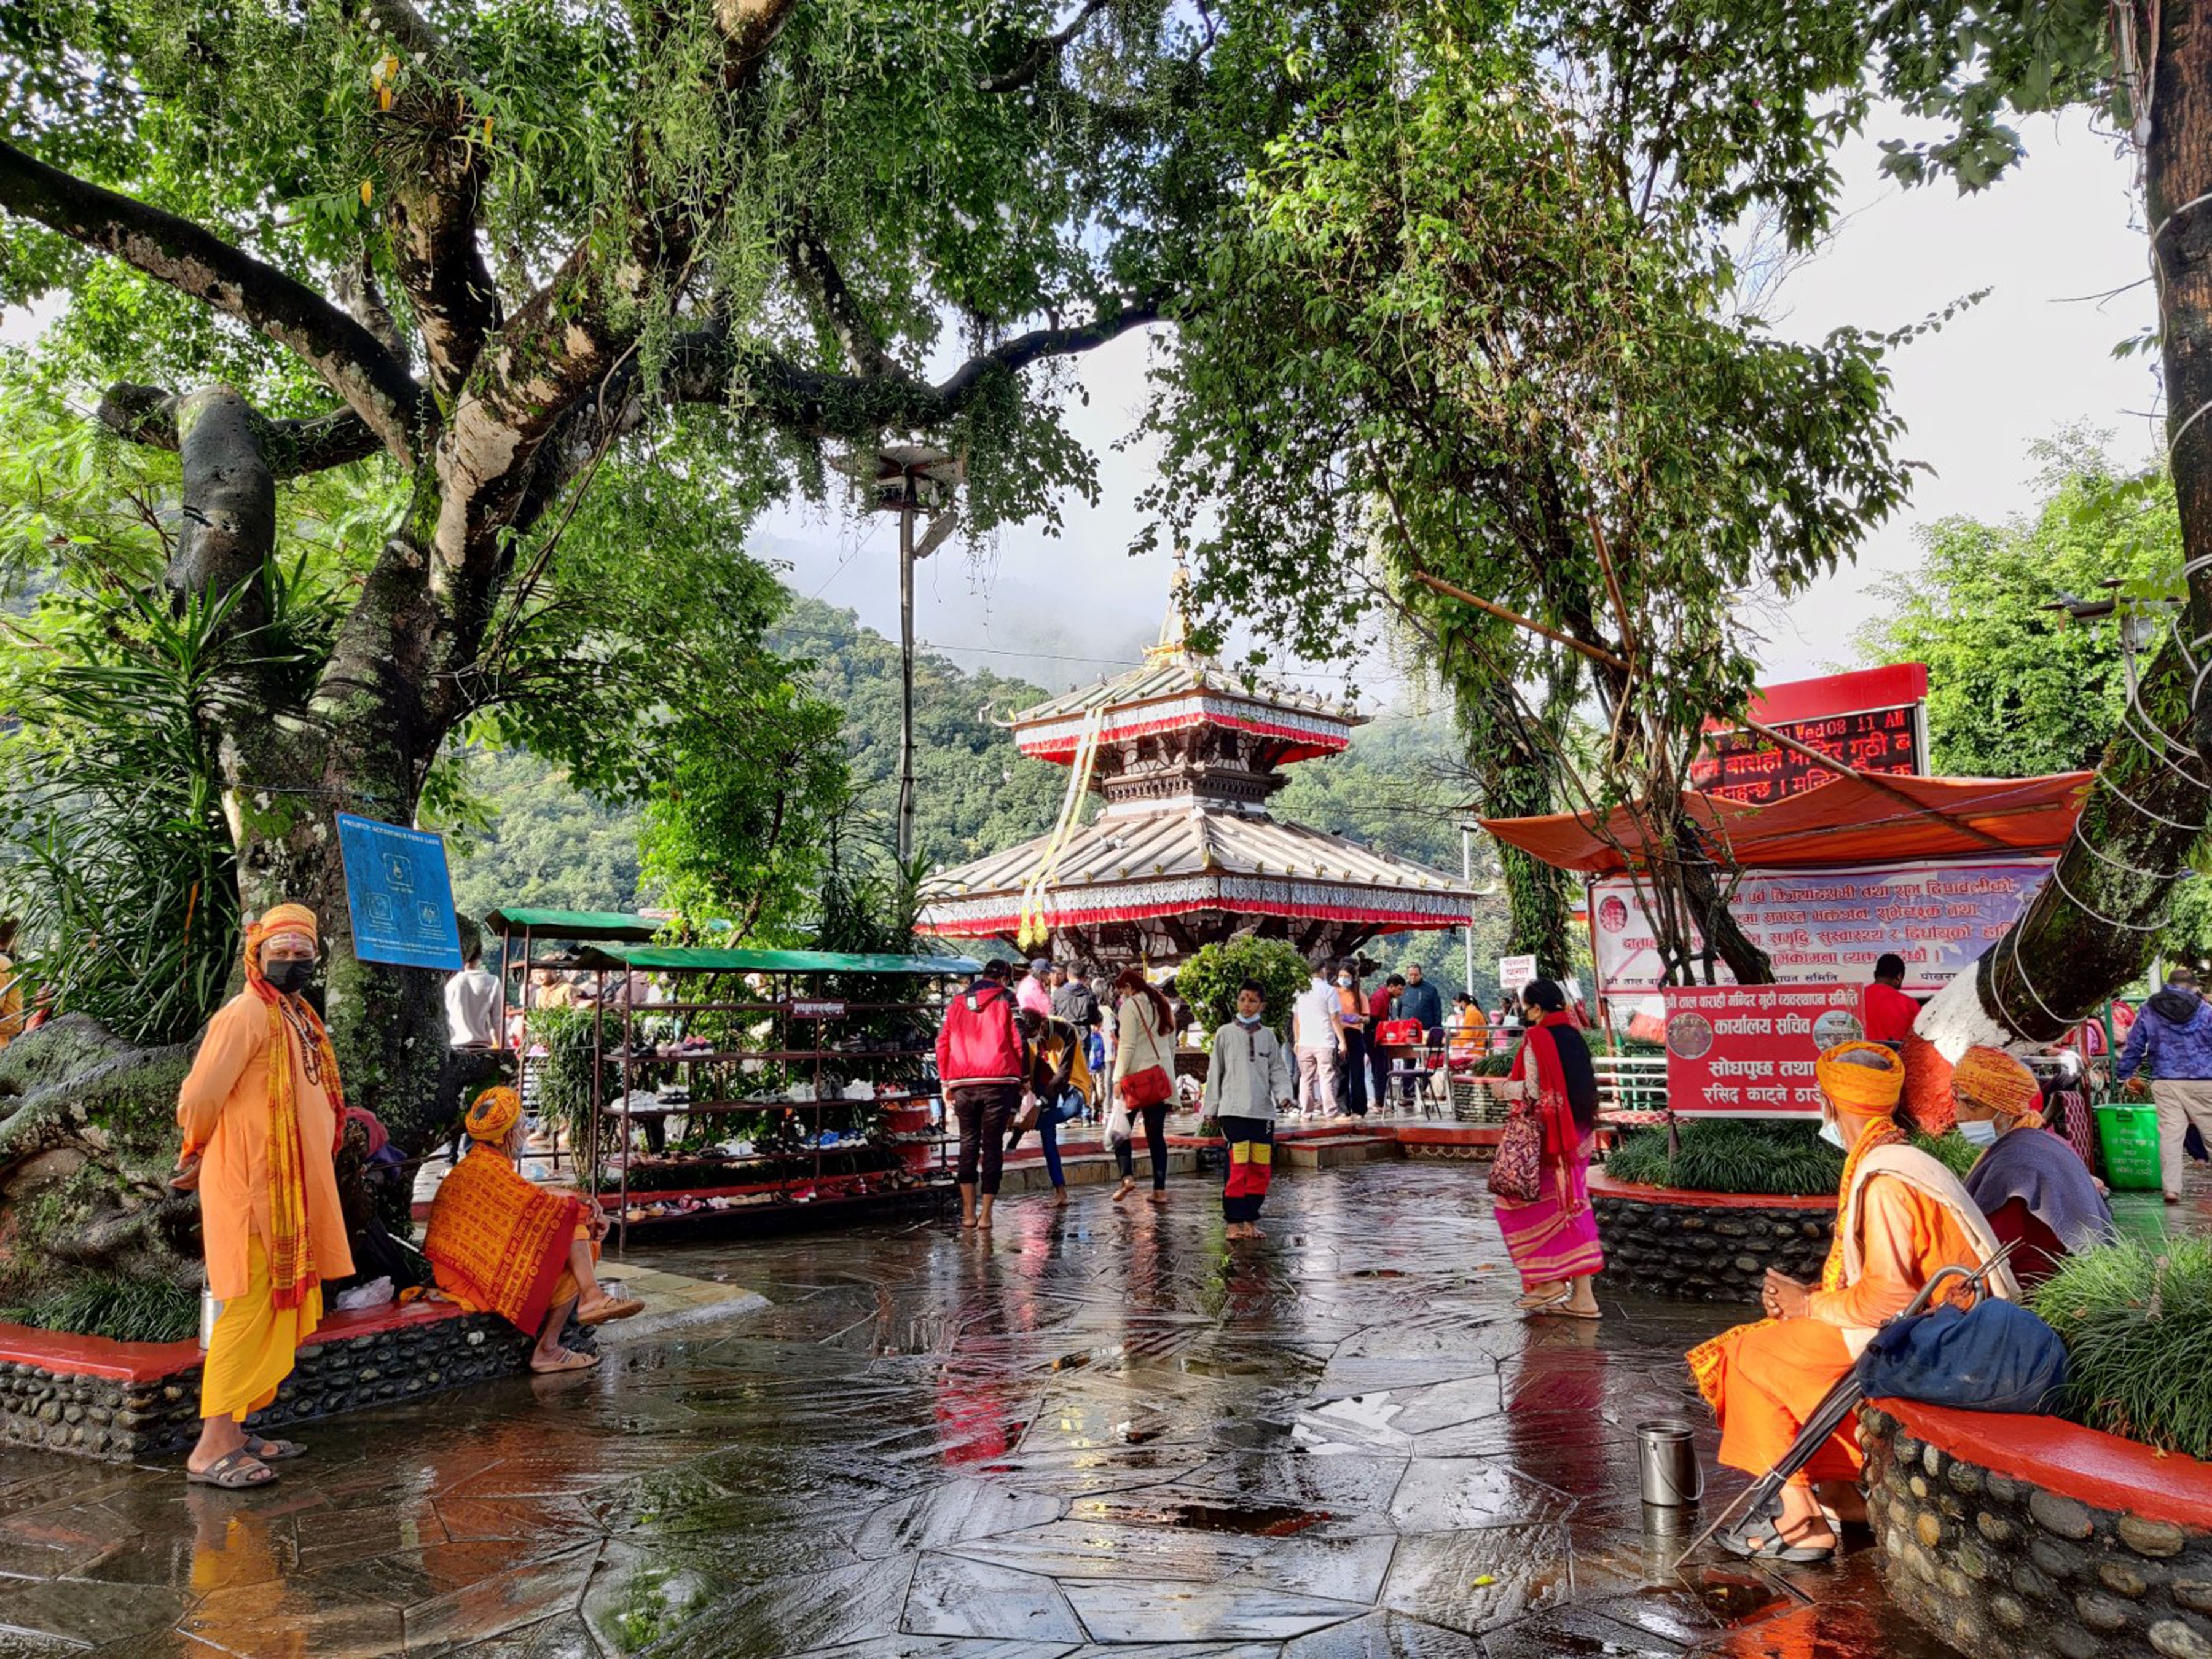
{"points": [[289, 975]]}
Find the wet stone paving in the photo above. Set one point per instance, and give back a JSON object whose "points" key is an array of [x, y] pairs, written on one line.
{"points": [[1097, 1430]]}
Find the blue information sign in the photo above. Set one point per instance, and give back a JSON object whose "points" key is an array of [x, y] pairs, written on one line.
{"points": [[400, 894]]}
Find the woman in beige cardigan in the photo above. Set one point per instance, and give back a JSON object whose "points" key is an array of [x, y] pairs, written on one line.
{"points": [[1144, 1040]]}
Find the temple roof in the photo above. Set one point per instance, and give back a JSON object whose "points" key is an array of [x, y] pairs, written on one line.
{"points": [[1178, 689], [1181, 859]]}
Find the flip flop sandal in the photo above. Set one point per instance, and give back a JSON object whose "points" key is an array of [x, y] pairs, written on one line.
{"points": [[274, 1451], [1771, 1547], [1561, 1311], [601, 1314], [232, 1471], [570, 1360], [1530, 1303]]}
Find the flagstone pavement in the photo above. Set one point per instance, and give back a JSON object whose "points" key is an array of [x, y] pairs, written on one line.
{"points": [[1097, 1430]]}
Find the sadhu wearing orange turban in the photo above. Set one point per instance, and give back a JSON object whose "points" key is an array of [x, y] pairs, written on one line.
{"points": [[262, 1111], [501, 1243], [1900, 1216]]}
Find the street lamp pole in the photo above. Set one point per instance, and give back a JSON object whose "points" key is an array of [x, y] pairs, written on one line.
{"points": [[906, 672]]}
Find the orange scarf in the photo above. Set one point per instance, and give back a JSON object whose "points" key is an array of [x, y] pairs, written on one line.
{"points": [[292, 1272]]}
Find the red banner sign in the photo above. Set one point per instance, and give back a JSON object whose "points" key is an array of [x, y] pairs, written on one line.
{"points": [[1740, 766], [1748, 1050]]}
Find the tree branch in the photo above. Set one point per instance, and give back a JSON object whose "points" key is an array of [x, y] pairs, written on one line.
{"points": [[816, 273], [147, 415], [1042, 52], [705, 369], [194, 261]]}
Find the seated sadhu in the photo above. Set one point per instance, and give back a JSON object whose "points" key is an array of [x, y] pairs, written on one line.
{"points": [[499, 1243], [2031, 1186], [1900, 1217]]}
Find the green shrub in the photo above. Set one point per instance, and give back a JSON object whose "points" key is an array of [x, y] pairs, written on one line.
{"points": [[2137, 1319], [1952, 1150], [126, 1310], [1209, 981], [1731, 1155]]}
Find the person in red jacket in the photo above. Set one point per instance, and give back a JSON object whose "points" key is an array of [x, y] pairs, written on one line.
{"points": [[1885, 1010], [980, 1063]]}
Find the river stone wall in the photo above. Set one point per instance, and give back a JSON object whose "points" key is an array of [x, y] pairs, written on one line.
{"points": [[1667, 1243], [2002, 1568], [124, 1420]]}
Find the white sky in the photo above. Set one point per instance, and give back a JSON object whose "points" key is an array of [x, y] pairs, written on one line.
{"points": [[2019, 367]]}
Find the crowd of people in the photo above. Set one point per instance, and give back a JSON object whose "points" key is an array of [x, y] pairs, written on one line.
{"points": [[264, 1116]]}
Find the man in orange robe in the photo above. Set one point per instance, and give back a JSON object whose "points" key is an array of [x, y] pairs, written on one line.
{"points": [[1900, 1217], [261, 1113], [501, 1243]]}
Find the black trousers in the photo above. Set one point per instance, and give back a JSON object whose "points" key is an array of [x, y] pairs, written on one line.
{"points": [[1356, 1048], [1156, 1143], [983, 1112]]}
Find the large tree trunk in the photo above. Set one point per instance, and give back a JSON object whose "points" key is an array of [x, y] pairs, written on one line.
{"points": [[2092, 925], [362, 743]]}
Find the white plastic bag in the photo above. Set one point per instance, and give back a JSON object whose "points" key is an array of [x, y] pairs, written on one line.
{"points": [[1117, 1123]]}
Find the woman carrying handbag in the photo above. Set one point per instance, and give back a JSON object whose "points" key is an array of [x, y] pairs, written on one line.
{"points": [[1539, 1179], [1144, 1077]]}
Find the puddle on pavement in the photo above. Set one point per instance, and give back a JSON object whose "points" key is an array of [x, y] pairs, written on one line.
{"points": [[1246, 1520]]}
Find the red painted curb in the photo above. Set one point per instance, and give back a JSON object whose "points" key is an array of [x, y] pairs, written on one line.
{"points": [[1603, 1186], [2090, 1466], [67, 1355]]}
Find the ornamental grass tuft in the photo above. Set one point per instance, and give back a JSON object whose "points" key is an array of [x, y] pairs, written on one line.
{"points": [[1731, 1155], [2137, 1319], [125, 1309]]}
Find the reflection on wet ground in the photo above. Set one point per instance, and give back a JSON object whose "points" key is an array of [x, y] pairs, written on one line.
{"points": [[1100, 1430]]}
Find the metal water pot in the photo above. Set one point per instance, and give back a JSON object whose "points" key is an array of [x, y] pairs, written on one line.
{"points": [[1667, 1457]]}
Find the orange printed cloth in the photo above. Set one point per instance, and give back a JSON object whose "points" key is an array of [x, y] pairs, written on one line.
{"points": [[497, 1243]]}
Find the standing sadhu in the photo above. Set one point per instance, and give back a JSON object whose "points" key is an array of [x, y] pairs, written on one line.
{"points": [[1900, 1219], [261, 1112]]}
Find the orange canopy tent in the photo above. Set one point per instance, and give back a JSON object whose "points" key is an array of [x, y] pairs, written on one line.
{"points": [[1855, 820]]}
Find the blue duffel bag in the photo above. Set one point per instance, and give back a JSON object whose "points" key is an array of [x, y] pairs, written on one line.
{"points": [[1997, 1357]]}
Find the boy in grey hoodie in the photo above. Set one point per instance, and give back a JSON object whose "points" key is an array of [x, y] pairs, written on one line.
{"points": [[1247, 1083]]}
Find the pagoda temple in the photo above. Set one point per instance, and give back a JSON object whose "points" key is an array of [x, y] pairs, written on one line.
{"points": [[1183, 851]]}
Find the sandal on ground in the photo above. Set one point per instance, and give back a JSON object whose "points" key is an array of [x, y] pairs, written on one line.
{"points": [[1531, 1302], [564, 1360], [235, 1471], [1158, 1195], [1773, 1547], [1124, 1190], [601, 1312], [274, 1451], [1564, 1309]]}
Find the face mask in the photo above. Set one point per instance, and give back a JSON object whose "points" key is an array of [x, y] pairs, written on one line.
{"points": [[1832, 1132], [1345, 980], [290, 975], [1978, 1134], [1247, 1019]]}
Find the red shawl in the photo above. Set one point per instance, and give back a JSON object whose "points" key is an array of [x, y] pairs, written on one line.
{"points": [[1561, 1136]]}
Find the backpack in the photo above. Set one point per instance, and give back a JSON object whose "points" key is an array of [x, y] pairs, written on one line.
{"points": [[1997, 1358]]}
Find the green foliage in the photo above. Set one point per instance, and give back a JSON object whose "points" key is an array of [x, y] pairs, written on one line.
{"points": [[564, 1075], [123, 1310], [1210, 979], [1731, 1155], [544, 843], [1952, 1150], [2016, 688], [2137, 1319], [121, 871]]}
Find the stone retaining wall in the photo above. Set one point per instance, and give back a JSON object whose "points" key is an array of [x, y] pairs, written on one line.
{"points": [[1707, 1246], [147, 1406], [2002, 1563]]}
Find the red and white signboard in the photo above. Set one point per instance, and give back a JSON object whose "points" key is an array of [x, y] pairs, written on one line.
{"points": [[1749, 1050], [1823, 926]]}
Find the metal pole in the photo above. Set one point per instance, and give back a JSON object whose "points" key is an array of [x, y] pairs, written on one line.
{"points": [[1467, 875], [906, 674]]}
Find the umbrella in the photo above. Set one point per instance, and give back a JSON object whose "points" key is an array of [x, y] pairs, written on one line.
{"points": [[1835, 1406]]}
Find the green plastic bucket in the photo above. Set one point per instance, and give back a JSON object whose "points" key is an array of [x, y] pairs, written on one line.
{"points": [[2129, 1135]]}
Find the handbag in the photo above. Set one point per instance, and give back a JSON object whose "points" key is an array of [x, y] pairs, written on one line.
{"points": [[1516, 1169], [1151, 1087], [1998, 1358]]}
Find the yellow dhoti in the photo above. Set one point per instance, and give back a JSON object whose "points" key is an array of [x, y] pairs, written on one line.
{"points": [[254, 1344]]}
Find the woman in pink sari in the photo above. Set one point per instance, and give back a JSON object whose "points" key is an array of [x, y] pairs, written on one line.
{"points": [[1553, 1238]]}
